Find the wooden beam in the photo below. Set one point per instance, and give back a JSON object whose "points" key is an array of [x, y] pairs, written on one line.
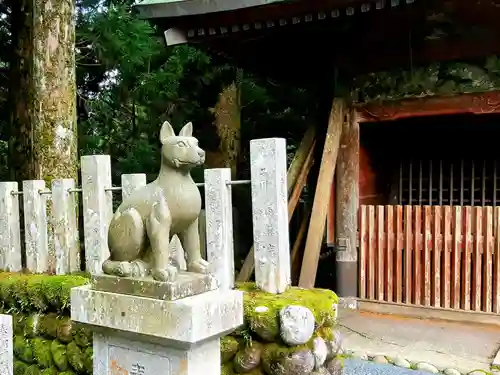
{"points": [[300, 157], [347, 204], [478, 103], [330, 217], [323, 189], [296, 253], [295, 171]]}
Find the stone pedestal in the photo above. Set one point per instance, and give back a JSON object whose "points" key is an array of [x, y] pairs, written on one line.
{"points": [[143, 335]]}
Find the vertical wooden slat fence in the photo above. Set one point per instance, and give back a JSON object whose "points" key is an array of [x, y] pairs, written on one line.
{"points": [[440, 256]]}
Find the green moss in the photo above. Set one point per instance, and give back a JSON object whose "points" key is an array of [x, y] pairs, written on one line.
{"points": [[49, 371], [64, 330], [227, 369], [274, 354], [438, 78], [42, 353], [82, 336], [18, 323], [34, 295], [59, 356], [248, 357], [20, 368], [88, 363], [7, 294], [265, 321], [33, 370], [256, 371], [23, 349], [327, 333], [49, 324], [57, 289], [67, 373], [75, 357], [38, 293], [228, 348], [32, 325]]}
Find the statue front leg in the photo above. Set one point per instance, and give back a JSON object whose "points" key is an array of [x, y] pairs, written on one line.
{"points": [[158, 229], [190, 240]]}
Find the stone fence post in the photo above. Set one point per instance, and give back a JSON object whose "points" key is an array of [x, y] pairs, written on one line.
{"points": [[97, 209], [10, 241], [35, 226], [130, 182], [219, 223], [270, 214], [6, 345], [66, 236]]}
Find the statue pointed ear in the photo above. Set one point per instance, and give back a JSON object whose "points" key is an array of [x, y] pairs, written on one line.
{"points": [[187, 130], [166, 131]]}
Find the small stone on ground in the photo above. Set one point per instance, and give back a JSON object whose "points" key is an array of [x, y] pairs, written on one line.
{"points": [[380, 359], [424, 366], [360, 355], [401, 362]]}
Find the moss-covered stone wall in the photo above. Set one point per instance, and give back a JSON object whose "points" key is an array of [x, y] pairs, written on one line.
{"points": [[444, 78], [260, 346], [46, 342]]}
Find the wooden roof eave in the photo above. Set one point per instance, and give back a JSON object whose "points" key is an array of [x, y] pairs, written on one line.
{"points": [[198, 21], [154, 9]]}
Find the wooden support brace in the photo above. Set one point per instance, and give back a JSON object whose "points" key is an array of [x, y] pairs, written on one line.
{"points": [[323, 189]]}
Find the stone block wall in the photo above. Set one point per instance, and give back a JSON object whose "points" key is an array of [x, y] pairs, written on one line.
{"points": [[45, 340], [291, 333]]}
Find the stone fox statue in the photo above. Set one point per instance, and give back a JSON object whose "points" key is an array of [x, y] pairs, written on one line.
{"points": [[140, 230]]}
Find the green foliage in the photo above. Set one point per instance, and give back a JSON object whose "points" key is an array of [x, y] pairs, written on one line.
{"points": [[128, 83]]}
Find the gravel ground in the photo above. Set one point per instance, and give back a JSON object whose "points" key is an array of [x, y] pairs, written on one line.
{"points": [[358, 367]]}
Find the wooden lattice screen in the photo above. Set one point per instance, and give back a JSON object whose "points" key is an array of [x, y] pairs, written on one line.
{"points": [[431, 256]]}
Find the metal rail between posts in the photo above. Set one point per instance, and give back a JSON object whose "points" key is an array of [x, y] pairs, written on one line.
{"points": [[119, 188]]}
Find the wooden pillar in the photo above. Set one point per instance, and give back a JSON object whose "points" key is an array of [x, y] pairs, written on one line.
{"points": [[347, 198]]}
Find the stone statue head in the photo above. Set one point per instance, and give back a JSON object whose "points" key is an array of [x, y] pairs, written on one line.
{"points": [[180, 151]]}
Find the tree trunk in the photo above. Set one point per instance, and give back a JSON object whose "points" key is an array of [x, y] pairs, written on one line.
{"points": [[43, 130], [43, 138]]}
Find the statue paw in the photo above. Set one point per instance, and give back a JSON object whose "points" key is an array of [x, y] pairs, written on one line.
{"points": [[167, 274], [199, 266], [139, 268], [120, 269]]}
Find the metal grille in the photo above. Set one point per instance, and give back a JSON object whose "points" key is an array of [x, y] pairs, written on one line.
{"points": [[457, 182]]}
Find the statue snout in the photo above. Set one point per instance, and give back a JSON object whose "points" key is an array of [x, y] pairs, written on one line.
{"points": [[201, 154]]}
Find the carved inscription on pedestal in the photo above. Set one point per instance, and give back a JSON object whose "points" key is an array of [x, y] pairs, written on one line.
{"points": [[123, 361]]}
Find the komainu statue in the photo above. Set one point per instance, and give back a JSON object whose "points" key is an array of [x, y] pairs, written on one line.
{"points": [[141, 229]]}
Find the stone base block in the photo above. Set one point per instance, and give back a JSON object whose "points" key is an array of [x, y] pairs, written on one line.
{"points": [[115, 355], [187, 284], [179, 323]]}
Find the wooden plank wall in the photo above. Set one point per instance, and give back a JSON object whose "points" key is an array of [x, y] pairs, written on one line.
{"points": [[441, 256]]}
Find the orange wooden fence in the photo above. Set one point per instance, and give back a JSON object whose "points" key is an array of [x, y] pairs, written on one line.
{"points": [[442, 256]]}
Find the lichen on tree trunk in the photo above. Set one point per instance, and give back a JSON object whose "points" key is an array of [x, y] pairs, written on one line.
{"points": [[44, 131]]}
